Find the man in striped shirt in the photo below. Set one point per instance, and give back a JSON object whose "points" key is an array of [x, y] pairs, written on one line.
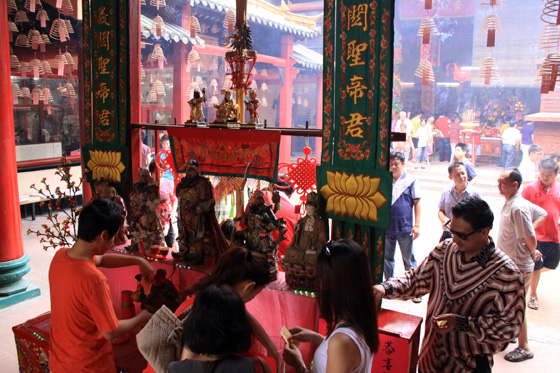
{"points": [[476, 304]]}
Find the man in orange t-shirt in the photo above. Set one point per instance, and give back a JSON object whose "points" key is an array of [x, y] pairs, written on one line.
{"points": [[82, 314]]}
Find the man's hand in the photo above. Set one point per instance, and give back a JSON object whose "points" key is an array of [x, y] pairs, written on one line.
{"points": [[146, 270], [444, 323], [415, 232], [378, 293], [537, 255]]}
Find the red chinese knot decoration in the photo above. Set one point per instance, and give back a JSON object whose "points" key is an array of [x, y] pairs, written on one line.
{"points": [[301, 175]]}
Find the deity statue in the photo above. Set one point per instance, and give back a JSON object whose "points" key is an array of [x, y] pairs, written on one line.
{"points": [[260, 223], [200, 237], [143, 219], [310, 235], [197, 115], [111, 193], [253, 107], [160, 292], [227, 111]]}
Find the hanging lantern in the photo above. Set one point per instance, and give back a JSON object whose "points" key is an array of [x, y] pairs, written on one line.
{"points": [[264, 87], [47, 68], [194, 26], [491, 26], [426, 72], [67, 8], [33, 5], [264, 102], [427, 28], [489, 70], [22, 41], [42, 16], [158, 26], [550, 37], [14, 62], [427, 4], [548, 75], [492, 2], [229, 20], [551, 12], [158, 3], [59, 30], [21, 17], [34, 38]]}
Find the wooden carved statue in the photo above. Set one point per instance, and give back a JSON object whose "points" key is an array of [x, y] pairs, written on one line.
{"points": [[310, 235], [228, 110], [253, 107], [197, 115], [200, 237], [143, 219]]}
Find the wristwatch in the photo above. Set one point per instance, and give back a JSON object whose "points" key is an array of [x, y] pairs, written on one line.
{"points": [[302, 369]]}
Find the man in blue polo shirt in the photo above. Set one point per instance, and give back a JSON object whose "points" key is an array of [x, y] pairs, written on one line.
{"points": [[404, 225]]}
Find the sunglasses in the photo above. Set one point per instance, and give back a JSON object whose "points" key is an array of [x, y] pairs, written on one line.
{"points": [[462, 236]]}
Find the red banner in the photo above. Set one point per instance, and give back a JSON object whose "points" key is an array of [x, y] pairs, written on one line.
{"points": [[227, 152]]}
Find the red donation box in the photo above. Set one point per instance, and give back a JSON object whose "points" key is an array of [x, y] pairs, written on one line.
{"points": [[32, 343]]}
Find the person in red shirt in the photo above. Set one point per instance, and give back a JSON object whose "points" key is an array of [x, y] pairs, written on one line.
{"points": [[545, 192], [442, 124], [82, 314]]}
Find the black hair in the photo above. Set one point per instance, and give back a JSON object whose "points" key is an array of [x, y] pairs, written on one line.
{"points": [[549, 164], [534, 149], [164, 137], [474, 211], [236, 264], [217, 323], [98, 216], [152, 166], [515, 176], [285, 187], [397, 154], [227, 228], [454, 165], [345, 289], [463, 146]]}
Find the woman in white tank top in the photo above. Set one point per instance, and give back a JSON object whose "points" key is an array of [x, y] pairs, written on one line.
{"points": [[345, 298]]}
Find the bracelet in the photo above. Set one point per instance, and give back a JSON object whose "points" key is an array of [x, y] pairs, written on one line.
{"points": [[302, 369], [417, 225]]}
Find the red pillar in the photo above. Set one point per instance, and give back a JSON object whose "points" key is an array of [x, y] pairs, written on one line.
{"points": [[10, 216], [181, 77], [286, 97]]}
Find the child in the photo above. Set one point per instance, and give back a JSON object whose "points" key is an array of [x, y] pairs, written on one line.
{"points": [[461, 156]]}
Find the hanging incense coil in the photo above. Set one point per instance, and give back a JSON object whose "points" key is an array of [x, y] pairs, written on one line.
{"points": [[69, 26], [47, 95], [24, 67], [38, 4], [254, 85], [152, 95], [264, 87], [36, 63], [14, 62], [492, 2], [551, 12], [489, 70], [214, 83], [21, 17], [264, 102], [550, 37], [159, 87], [47, 67], [492, 22], [264, 73], [229, 20], [142, 72], [427, 29], [194, 26], [142, 2], [22, 41], [46, 39], [12, 27], [199, 80], [193, 56], [34, 36], [425, 71], [158, 3], [214, 101], [156, 53], [59, 26], [12, 6], [69, 57], [42, 13], [37, 92], [549, 74], [68, 91], [25, 92], [227, 83], [158, 22], [161, 104], [67, 8], [16, 91], [61, 58]]}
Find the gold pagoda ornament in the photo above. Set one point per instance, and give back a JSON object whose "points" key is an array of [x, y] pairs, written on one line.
{"points": [[491, 27], [425, 71], [427, 28], [489, 70], [547, 76]]}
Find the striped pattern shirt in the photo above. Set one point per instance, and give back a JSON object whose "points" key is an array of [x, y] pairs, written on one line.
{"points": [[486, 293]]}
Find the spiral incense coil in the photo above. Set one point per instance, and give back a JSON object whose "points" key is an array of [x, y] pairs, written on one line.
{"points": [[264, 73], [254, 85], [214, 100], [551, 12], [229, 20], [158, 21], [489, 70], [430, 24], [159, 88], [550, 37], [16, 91], [42, 13], [22, 41], [214, 83], [21, 17], [69, 26], [264, 87], [161, 104], [425, 71], [47, 67], [199, 80], [37, 92], [34, 36], [12, 27], [156, 53], [36, 63], [69, 57], [14, 62], [24, 67], [142, 2], [193, 56], [47, 94], [69, 91], [152, 95], [264, 102], [158, 3], [12, 6], [492, 2], [492, 22], [194, 26], [25, 92], [549, 68], [46, 39], [67, 8], [227, 83], [38, 4], [58, 26]]}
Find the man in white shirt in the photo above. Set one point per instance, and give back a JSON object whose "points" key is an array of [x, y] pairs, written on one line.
{"points": [[403, 119], [511, 139], [528, 166]]}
